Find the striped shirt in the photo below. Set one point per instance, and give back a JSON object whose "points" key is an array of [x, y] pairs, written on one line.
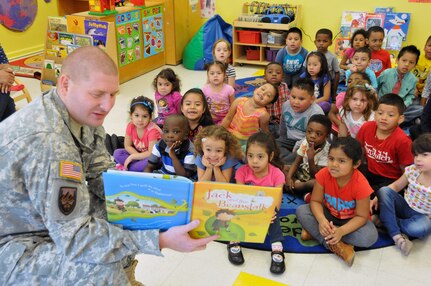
{"points": [[185, 154], [243, 126]]}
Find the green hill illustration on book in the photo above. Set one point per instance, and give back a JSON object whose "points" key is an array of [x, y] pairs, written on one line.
{"points": [[154, 201]]}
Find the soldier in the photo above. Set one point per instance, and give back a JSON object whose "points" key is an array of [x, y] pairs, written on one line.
{"points": [[53, 228]]}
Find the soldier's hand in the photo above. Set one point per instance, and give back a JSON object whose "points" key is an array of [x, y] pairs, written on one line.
{"points": [[178, 238]]}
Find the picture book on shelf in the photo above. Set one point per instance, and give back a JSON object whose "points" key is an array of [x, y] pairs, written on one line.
{"points": [[155, 201]]}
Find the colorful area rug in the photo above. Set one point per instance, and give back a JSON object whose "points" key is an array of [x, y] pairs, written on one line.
{"points": [[30, 66], [292, 232]]}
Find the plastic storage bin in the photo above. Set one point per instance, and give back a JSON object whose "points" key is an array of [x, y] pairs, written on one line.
{"points": [[249, 37], [271, 54], [264, 37], [252, 54], [276, 38]]}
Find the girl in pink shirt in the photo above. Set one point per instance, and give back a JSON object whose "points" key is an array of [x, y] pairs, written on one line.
{"points": [[263, 168], [168, 96], [219, 95], [141, 135]]}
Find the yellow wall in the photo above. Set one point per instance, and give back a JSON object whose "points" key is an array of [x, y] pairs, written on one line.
{"points": [[17, 44], [327, 14], [32, 40]]}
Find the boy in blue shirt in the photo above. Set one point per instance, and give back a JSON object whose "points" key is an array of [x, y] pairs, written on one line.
{"points": [[401, 81], [292, 57]]}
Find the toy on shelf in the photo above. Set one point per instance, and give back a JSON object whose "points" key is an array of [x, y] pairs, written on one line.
{"points": [[102, 7], [138, 3], [119, 3]]}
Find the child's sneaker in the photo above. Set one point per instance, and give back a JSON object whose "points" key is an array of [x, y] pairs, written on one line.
{"points": [[120, 167], [344, 251], [234, 254], [403, 243], [307, 198]]}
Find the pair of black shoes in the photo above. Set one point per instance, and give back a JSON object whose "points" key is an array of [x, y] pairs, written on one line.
{"points": [[277, 258]]}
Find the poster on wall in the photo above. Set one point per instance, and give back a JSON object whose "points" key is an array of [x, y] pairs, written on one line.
{"points": [[152, 23], [128, 31], [396, 27], [207, 8]]}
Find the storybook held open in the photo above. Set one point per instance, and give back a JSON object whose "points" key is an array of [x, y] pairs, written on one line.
{"points": [[154, 201]]}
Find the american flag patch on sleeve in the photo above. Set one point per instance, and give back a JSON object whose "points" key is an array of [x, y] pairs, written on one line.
{"points": [[70, 170]]}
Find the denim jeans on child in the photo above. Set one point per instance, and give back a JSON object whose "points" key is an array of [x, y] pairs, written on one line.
{"points": [[398, 217], [364, 236]]}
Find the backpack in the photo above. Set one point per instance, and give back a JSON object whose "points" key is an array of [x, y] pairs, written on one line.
{"points": [[113, 142]]}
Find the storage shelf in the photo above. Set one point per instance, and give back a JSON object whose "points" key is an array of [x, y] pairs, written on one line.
{"points": [[260, 45], [239, 49]]}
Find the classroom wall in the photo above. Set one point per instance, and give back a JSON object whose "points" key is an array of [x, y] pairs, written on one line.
{"points": [[17, 44], [327, 14]]}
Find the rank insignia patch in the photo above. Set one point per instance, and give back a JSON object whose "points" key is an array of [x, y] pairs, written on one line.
{"points": [[67, 200], [70, 170]]}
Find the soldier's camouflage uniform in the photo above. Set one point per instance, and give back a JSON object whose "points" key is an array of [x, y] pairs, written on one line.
{"points": [[52, 226]]}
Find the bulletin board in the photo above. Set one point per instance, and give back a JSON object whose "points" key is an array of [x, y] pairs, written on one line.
{"points": [[152, 23], [129, 37]]}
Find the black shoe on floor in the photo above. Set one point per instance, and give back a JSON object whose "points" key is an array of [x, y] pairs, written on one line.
{"points": [[277, 262], [235, 258]]}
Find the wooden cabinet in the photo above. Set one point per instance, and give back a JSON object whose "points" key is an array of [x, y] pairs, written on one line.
{"points": [[240, 49], [182, 21]]}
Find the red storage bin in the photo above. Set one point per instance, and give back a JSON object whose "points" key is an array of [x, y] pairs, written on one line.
{"points": [[249, 36], [252, 54]]}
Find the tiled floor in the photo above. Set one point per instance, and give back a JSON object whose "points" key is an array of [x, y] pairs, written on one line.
{"points": [[210, 267]]}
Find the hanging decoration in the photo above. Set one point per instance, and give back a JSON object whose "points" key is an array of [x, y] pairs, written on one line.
{"points": [[18, 15]]}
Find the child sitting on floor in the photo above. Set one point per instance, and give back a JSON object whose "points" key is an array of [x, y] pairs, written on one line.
{"points": [[263, 168], [294, 118], [247, 115], [141, 136], [174, 153], [217, 153], [338, 213], [195, 108], [409, 216], [312, 155], [274, 75]]}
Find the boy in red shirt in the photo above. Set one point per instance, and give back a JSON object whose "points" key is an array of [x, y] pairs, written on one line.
{"points": [[386, 146], [380, 58]]}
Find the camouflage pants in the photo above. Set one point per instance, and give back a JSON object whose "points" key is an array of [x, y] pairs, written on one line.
{"points": [[36, 261]]}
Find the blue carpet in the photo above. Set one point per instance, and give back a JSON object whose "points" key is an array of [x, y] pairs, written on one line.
{"points": [[292, 232]]}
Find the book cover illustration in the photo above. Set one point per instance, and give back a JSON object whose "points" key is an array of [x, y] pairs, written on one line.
{"points": [[75, 24], [98, 30], [374, 20], [65, 38], [83, 40], [384, 10], [341, 44], [396, 26], [147, 201], [58, 24], [235, 212], [352, 21]]}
